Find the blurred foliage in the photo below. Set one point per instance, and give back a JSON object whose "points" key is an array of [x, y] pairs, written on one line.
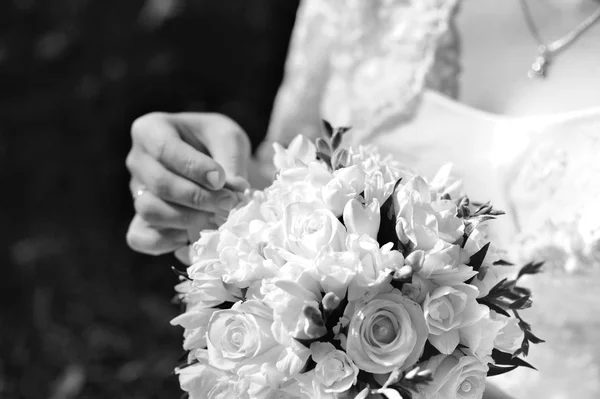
{"points": [[81, 315]]}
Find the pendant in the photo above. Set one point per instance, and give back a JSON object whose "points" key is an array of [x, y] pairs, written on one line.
{"points": [[539, 68]]}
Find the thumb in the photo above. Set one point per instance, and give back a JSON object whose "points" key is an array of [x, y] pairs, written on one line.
{"points": [[224, 140]]}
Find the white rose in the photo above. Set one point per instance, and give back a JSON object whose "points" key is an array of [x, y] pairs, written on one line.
{"points": [[455, 377], [335, 271], [346, 184], [447, 309], [375, 268], [300, 151], [385, 333], [424, 222], [444, 265], [308, 229], [240, 340], [335, 371], [510, 336], [479, 338]]}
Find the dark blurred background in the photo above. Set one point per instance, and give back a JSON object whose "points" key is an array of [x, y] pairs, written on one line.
{"points": [[81, 315]]}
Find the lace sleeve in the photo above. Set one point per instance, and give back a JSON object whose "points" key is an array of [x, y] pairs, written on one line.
{"points": [[364, 64], [297, 105]]}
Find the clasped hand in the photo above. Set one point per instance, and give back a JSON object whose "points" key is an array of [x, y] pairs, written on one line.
{"points": [[186, 170]]}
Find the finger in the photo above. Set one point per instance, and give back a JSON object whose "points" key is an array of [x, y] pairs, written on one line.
{"points": [[159, 136], [224, 139], [160, 214], [173, 188], [145, 239]]}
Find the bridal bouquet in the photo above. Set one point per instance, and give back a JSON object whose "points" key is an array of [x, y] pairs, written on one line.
{"points": [[350, 277]]}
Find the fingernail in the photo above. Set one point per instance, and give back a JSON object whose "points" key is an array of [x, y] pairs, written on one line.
{"points": [[227, 201], [214, 179]]}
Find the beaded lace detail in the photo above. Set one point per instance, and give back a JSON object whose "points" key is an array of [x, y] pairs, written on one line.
{"points": [[363, 64], [554, 190]]}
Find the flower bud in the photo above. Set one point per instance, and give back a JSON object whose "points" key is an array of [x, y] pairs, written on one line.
{"points": [[314, 325], [331, 301], [404, 273]]}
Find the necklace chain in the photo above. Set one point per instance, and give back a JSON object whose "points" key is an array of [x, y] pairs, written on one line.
{"points": [[546, 51]]}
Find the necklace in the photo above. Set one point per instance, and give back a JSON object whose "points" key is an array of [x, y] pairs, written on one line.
{"points": [[547, 51]]}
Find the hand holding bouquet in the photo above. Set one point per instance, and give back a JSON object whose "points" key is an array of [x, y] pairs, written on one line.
{"points": [[350, 277]]}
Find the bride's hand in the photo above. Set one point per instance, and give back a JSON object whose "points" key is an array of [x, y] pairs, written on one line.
{"points": [[184, 171]]}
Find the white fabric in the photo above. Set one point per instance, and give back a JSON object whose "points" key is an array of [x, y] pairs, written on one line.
{"points": [[368, 64], [363, 64]]}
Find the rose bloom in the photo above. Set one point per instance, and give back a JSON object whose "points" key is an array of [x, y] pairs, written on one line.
{"points": [[309, 228], [447, 309], [334, 371], [240, 340], [455, 377], [385, 333]]}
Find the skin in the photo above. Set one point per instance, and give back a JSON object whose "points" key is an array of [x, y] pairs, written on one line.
{"points": [[497, 31], [187, 168]]}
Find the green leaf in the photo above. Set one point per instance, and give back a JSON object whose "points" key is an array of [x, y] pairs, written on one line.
{"points": [[507, 359], [478, 257], [497, 370], [387, 227], [521, 303], [336, 140], [327, 128], [324, 157], [530, 268], [323, 146]]}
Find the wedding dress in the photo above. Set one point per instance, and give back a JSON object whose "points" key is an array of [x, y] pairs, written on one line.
{"points": [[380, 67]]}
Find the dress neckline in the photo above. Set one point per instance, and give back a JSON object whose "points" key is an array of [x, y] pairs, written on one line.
{"points": [[468, 110]]}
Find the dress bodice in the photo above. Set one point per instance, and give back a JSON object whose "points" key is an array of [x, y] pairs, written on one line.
{"points": [[545, 172], [363, 64]]}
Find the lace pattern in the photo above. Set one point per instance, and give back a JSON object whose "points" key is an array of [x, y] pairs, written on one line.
{"points": [[364, 64], [555, 192]]}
